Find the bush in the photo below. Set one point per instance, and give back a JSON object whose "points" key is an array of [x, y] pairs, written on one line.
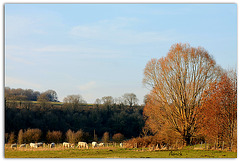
{"points": [[54, 136], [11, 139], [32, 135], [143, 142], [20, 137], [105, 137], [70, 137], [79, 135], [73, 137], [118, 137]]}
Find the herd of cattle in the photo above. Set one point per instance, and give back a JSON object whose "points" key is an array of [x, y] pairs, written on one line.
{"points": [[65, 145]]}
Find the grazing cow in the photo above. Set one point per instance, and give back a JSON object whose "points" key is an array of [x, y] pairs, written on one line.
{"points": [[94, 144], [22, 145], [39, 144], [66, 144], [52, 145], [101, 144], [82, 145], [33, 145], [121, 144], [14, 145]]}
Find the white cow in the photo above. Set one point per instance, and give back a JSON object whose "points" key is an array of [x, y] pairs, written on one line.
{"points": [[52, 145], [33, 145], [94, 144], [121, 144], [14, 145], [82, 145], [101, 144], [39, 144], [68, 145], [23, 145]]}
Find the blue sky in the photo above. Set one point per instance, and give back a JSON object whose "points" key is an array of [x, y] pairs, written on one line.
{"points": [[98, 50]]}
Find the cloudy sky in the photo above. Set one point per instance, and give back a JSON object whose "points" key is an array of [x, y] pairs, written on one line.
{"points": [[98, 50]]}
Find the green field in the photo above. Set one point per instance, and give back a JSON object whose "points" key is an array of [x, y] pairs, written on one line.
{"points": [[114, 152]]}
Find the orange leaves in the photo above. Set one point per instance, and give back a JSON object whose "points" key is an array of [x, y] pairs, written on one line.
{"points": [[178, 81], [218, 113]]}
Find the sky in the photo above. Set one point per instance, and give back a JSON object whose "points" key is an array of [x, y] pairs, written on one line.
{"points": [[98, 50]]}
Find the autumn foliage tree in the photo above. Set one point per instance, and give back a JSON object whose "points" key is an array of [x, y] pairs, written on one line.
{"points": [[54, 136], [20, 136], [177, 82], [105, 137], [118, 137], [218, 113], [32, 135]]}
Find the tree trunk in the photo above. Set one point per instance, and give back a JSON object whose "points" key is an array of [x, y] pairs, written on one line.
{"points": [[187, 140]]}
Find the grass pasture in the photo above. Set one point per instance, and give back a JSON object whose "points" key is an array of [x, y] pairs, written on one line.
{"points": [[113, 152]]}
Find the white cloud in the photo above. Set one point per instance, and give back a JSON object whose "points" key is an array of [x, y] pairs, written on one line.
{"points": [[79, 51], [115, 31], [15, 82], [87, 86]]}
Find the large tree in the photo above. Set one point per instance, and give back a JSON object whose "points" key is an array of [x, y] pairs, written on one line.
{"points": [[177, 82]]}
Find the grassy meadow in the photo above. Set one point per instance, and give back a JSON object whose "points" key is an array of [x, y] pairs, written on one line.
{"points": [[114, 152]]}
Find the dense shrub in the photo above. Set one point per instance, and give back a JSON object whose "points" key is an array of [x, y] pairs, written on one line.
{"points": [[20, 137], [32, 135], [54, 136], [12, 138], [118, 137], [145, 142], [105, 137]]}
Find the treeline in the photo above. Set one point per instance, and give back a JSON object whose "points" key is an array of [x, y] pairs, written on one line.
{"points": [[29, 95], [112, 118]]}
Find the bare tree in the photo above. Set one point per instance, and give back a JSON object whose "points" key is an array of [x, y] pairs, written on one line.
{"points": [[74, 99], [97, 101], [107, 100], [119, 100], [130, 99], [177, 82]]}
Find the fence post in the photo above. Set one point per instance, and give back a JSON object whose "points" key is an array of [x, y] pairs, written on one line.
{"points": [[223, 146]]}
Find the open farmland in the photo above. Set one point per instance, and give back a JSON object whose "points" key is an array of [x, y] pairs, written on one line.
{"points": [[113, 152]]}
